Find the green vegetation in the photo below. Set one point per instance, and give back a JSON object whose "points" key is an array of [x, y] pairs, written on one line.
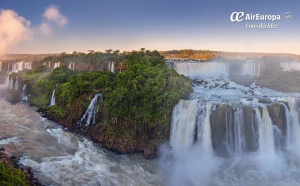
{"points": [[146, 92], [190, 54], [137, 102], [92, 58], [11, 176]]}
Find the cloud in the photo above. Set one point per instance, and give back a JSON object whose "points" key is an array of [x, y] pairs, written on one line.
{"points": [[45, 29], [13, 29], [52, 14]]}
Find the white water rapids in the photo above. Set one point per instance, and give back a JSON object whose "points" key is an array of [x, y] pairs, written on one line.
{"points": [[191, 156], [59, 157], [192, 159]]}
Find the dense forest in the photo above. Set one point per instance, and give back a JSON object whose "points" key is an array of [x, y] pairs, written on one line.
{"points": [[134, 113]]}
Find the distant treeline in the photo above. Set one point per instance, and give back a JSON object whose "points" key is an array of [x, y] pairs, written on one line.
{"points": [[94, 57], [207, 54], [88, 58], [189, 54]]}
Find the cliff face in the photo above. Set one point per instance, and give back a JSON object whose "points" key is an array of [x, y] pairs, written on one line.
{"points": [[121, 136], [235, 127]]}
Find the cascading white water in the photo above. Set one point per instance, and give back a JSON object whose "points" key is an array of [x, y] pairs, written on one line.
{"points": [[49, 64], [249, 146], [183, 124], [293, 66], [56, 65], [266, 133], [6, 84], [204, 130], [72, 66], [112, 66], [202, 69], [0, 66], [24, 95], [91, 111], [16, 87], [22, 65], [293, 124], [250, 68], [15, 67], [189, 114], [191, 143], [235, 132], [11, 83], [60, 157], [52, 102]]}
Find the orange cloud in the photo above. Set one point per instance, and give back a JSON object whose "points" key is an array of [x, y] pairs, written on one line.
{"points": [[13, 29]]}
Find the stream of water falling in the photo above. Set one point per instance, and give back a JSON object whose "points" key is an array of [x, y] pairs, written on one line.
{"points": [[190, 162], [63, 158], [59, 157]]}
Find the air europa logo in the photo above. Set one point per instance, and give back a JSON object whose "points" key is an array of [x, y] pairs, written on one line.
{"points": [[237, 16], [241, 16]]}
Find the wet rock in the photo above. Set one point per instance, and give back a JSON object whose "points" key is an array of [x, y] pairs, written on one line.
{"points": [[251, 129], [218, 129], [149, 153], [264, 100], [278, 116], [223, 125]]}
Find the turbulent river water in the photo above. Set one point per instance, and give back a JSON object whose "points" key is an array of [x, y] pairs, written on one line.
{"points": [[59, 157], [222, 135]]}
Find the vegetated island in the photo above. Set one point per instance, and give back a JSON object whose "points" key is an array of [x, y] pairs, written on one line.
{"points": [[126, 111]]}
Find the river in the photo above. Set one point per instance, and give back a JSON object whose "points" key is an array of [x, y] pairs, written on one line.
{"points": [[224, 134], [60, 157]]}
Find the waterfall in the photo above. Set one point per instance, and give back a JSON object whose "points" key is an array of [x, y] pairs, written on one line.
{"points": [[294, 66], [202, 69], [24, 95], [0, 66], [266, 132], [72, 66], [56, 65], [6, 84], [10, 84], [189, 115], [183, 124], [235, 132], [293, 125], [22, 65], [204, 130], [16, 87], [52, 98], [251, 69], [91, 111], [229, 130], [49, 64], [112, 67]]}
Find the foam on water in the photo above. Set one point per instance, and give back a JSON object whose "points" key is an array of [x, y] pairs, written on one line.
{"points": [[59, 157]]}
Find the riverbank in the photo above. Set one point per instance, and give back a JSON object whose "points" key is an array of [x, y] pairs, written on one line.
{"points": [[127, 111], [60, 157], [11, 172]]}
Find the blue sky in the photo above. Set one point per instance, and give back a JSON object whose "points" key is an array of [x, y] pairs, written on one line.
{"points": [[152, 24]]}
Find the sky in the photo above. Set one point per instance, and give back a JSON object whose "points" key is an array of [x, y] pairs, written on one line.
{"points": [[44, 26]]}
